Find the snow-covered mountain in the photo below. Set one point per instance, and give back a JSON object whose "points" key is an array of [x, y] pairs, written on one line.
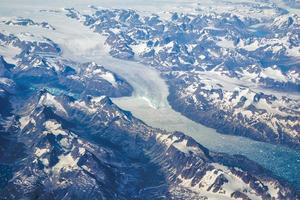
{"points": [[240, 70], [89, 148], [62, 137], [40, 60], [84, 146]]}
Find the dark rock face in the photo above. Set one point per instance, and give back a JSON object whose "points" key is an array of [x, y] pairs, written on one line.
{"points": [[240, 195], [5, 68], [216, 186]]}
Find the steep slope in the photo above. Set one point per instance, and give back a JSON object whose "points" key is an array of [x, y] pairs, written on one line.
{"points": [[111, 155]]}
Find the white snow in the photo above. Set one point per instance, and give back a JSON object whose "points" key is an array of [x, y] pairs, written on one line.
{"points": [[50, 100], [252, 47], [97, 100], [273, 73], [161, 137], [202, 57], [84, 107], [66, 163], [39, 152], [139, 48], [109, 77], [272, 189], [6, 81], [294, 76], [225, 43], [82, 151], [54, 127], [9, 52], [182, 146], [234, 184], [45, 161], [24, 121], [167, 139], [65, 142]]}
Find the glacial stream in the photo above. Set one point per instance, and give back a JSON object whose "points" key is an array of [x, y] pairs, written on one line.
{"points": [[149, 101]]}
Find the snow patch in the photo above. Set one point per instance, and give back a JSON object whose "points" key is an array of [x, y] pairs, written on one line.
{"points": [[49, 100], [66, 162]]}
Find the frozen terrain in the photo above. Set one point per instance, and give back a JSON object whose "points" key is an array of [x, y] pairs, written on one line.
{"points": [[149, 101], [244, 71]]}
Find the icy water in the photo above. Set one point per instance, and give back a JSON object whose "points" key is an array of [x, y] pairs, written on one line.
{"points": [[149, 101]]}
